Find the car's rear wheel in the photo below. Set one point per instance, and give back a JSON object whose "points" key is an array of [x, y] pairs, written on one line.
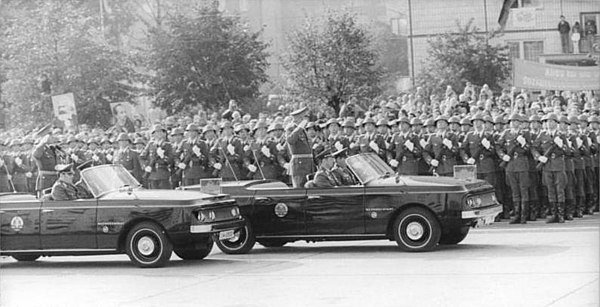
{"points": [[241, 243], [148, 246], [416, 230], [272, 242], [195, 251], [454, 235], [26, 258]]}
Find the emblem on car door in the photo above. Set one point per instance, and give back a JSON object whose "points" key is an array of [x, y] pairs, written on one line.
{"points": [[281, 209], [16, 223]]}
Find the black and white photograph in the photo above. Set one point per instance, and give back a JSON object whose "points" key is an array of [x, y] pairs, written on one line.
{"points": [[299, 153]]}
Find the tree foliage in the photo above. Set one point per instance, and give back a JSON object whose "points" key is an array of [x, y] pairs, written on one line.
{"points": [[60, 39], [332, 59], [454, 58], [205, 58]]}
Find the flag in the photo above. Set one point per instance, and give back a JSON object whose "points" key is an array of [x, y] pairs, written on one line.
{"points": [[504, 13]]}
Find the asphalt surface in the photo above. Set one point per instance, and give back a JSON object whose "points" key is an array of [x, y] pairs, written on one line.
{"points": [[536, 264]]}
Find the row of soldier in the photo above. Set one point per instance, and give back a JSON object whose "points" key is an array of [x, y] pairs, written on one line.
{"points": [[539, 166]]}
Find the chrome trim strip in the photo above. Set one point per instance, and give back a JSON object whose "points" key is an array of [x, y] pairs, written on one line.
{"points": [[19, 209], [201, 228], [480, 213], [325, 236], [58, 250]]}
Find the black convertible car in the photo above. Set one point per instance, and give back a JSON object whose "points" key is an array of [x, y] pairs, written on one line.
{"points": [[418, 212], [121, 217]]}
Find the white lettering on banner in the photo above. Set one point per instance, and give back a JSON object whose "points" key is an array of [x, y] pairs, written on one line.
{"points": [[533, 75]]}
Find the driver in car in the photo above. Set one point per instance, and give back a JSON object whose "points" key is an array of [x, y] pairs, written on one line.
{"points": [[340, 170], [324, 178], [63, 188]]}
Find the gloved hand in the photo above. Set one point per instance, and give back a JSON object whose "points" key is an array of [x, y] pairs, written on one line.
{"points": [[148, 169], [435, 163], [109, 157], [95, 158], [543, 159], [486, 144], [18, 161], [252, 168], [196, 150], [286, 166], [353, 145], [217, 165], [374, 146], [409, 145], [265, 151], [181, 165], [423, 143], [160, 152], [230, 149], [447, 143], [338, 146], [394, 163], [558, 141], [28, 175], [471, 161], [280, 147], [579, 142], [505, 158], [247, 148], [74, 157], [521, 140]]}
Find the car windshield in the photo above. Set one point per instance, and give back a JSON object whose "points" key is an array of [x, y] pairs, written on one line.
{"points": [[106, 178], [368, 167]]}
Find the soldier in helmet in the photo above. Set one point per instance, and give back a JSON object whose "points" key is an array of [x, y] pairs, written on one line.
{"points": [[537, 195], [371, 141], [406, 150], [577, 177], [193, 157], [176, 140], [128, 157], [563, 128], [478, 148], [159, 156], [47, 154], [228, 152], [594, 136], [513, 148], [549, 149], [591, 184], [441, 151]]}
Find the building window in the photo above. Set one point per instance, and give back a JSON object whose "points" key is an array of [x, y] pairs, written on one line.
{"points": [[514, 50], [532, 50]]}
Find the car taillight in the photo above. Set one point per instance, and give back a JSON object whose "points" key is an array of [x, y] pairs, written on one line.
{"points": [[235, 212], [474, 202]]}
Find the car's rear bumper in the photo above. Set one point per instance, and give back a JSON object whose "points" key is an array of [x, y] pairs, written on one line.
{"points": [[482, 217], [218, 227]]}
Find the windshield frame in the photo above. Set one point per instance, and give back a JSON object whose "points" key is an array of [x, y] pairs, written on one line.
{"points": [[368, 167], [119, 173]]}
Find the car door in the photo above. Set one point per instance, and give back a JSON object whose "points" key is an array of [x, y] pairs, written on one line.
{"points": [[69, 224], [335, 211], [279, 212], [20, 224]]}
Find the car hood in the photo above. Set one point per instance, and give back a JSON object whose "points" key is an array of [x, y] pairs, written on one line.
{"points": [[431, 183], [163, 195]]}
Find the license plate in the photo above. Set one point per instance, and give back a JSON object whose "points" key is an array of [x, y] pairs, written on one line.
{"points": [[224, 235], [486, 220]]}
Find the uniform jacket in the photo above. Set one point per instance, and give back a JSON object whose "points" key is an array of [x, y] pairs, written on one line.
{"points": [[435, 149], [298, 144], [472, 147], [161, 166], [544, 145], [519, 158]]}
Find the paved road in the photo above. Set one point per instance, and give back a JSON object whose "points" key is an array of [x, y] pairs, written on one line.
{"points": [[524, 265]]}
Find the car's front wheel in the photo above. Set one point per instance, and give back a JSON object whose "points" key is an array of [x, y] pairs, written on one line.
{"points": [[241, 243], [26, 258], [416, 230], [454, 235], [195, 251], [148, 246]]}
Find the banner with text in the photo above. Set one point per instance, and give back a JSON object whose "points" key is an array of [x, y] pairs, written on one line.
{"points": [[538, 76]]}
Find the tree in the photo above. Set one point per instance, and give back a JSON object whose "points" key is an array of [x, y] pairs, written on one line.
{"points": [[332, 59], [61, 40], [455, 58], [205, 58]]}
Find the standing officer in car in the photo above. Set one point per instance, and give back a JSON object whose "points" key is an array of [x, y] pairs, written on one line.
{"points": [[47, 154], [301, 162]]}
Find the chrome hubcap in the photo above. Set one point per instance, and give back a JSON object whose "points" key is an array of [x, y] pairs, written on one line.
{"points": [[146, 246], [236, 236], [415, 231]]}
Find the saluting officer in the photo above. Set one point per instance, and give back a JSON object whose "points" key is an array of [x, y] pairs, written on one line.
{"points": [[47, 155], [513, 147], [302, 161], [441, 150], [159, 154], [549, 149]]}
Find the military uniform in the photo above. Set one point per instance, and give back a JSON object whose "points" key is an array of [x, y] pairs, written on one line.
{"points": [[513, 148], [62, 190], [194, 160], [442, 149], [229, 154], [301, 163], [325, 179], [46, 157], [159, 156], [406, 153], [478, 148]]}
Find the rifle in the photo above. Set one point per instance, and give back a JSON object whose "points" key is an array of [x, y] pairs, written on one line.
{"points": [[227, 161], [12, 184], [510, 153], [548, 152]]}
